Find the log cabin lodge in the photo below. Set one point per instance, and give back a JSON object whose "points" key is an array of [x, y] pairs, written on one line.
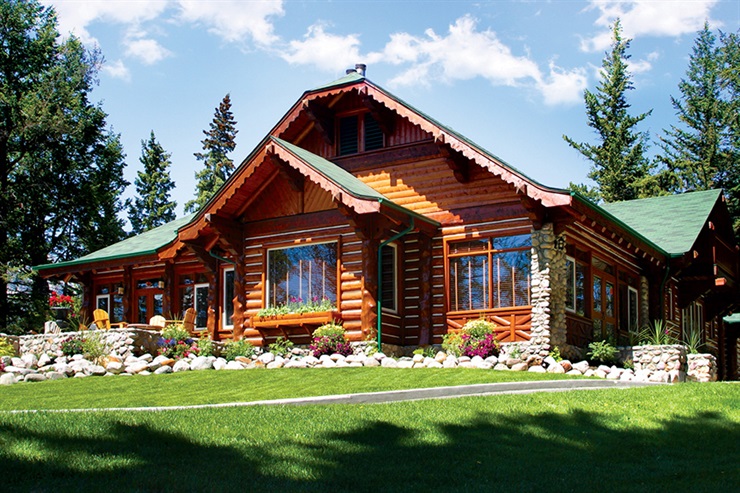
{"points": [[360, 206]]}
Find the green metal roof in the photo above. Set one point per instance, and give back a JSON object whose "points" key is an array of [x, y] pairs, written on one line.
{"points": [[146, 243], [350, 78], [732, 319], [672, 222], [344, 179]]}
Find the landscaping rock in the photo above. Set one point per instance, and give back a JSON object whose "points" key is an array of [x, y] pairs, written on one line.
{"points": [[34, 377], [556, 368], [97, 370], [231, 365], [501, 366], [44, 360], [163, 370], [537, 369], [371, 362], [440, 357], [600, 373], [519, 366], [114, 367], [219, 364], [136, 367], [17, 362], [567, 365], [7, 379], [266, 358], [201, 363], [379, 355], [181, 365], [386, 363], [581, 366], [404, 363], [55, 375]]}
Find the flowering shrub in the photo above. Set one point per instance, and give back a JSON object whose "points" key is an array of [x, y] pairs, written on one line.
{"points": [[233, 349], [329, 339], [298, 305], [176, 343], [2, 367], [72, 346], [477, 338], [61, 300]]}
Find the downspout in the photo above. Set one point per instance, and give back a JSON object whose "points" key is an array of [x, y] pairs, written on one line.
{"points": [[380, 273], [219, 257]]}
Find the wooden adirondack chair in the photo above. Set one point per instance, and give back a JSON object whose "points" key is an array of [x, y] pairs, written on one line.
{"points": [[158, 321], [188, 322], [102, 320]]}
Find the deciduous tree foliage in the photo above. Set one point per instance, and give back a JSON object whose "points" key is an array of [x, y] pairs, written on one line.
{"points": [[61, 169], [152, 206], [619, 166], [217, 166]]}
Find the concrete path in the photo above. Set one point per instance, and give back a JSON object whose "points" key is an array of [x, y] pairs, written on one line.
{"points": [[389, 396]]}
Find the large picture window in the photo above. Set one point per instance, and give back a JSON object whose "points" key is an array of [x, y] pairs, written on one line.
{"points": [[490, 273], [303, 276], [575, 291]]}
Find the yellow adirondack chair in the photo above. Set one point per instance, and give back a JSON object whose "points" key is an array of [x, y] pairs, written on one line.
{"points": [[188, 322], [158, 321], [102, 320]]}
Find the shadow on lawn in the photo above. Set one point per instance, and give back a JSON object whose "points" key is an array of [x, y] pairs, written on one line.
{"points": [[491, 452]]}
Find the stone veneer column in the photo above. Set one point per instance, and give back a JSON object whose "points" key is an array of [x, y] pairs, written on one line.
{"points": [[548, 292]]}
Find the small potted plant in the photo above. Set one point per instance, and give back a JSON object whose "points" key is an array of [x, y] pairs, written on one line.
{"points": [[61, 305]]}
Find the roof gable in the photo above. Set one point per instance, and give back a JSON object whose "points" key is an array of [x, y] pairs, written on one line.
{"points": [[672, 222]]}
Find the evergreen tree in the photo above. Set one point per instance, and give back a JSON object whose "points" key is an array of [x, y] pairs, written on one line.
{"points": [[61, 170], [217, 166], [730, 75], [619, 166], [693, 151], [152, 207]]}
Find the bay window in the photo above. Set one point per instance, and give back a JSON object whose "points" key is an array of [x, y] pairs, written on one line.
{"points": [[302, 277], [490, 273]]}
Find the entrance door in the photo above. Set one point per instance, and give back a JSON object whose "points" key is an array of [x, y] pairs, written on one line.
{"points": [[604, 306], [149, 300]]}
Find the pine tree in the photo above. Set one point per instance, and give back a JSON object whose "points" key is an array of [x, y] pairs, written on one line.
{"points": [[61, 170], [730, 76], [693, 151], [217, 166], [619, 166], [152, 207]]}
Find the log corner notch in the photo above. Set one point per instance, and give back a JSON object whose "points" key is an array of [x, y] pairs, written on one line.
{"points": [[322, 118], [459, 164]]}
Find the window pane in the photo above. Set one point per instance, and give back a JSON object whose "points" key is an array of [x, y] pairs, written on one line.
{"points": [[469, 286], [388, 284], [186, 298], [469, 246], [570, 285], [158, 304], [580, 289], [609, 299], [143, 318], [103, 303], [303, 275], [201, 306], [509, 242], [511, 279], [116, 314], [597, 294], [228, 297]]}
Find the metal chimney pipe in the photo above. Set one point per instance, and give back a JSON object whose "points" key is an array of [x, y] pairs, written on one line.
{"points": [[360, 68]]}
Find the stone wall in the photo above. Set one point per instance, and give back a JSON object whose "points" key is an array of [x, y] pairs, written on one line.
{"points": [[548, 293], [701, 368], [658, 363], [122, 342]]}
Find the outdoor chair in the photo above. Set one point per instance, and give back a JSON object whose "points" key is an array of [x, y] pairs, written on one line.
{"points": [[158, 321], [188, 322], [102, 320]]}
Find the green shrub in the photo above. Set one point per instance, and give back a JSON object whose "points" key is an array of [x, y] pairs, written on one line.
{"points": [[555, 354], [427, 352], [602, 353], [452, 343], [73, 345], [281, 346], [94, 347], [692, 341], [232, 349], [6, 348], [657, 334], [479, 328], [331, 329], [205, 347]]}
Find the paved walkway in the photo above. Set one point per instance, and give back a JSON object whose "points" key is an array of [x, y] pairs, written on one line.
{"points": [[389, 396]]}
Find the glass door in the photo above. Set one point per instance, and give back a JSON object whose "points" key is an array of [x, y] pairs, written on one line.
{"points": [[604, 306]]}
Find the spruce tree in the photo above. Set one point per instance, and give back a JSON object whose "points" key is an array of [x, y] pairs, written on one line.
{"points": [[152, 206], [619, 166], [217, 166], [730, 76], [693, 150]]}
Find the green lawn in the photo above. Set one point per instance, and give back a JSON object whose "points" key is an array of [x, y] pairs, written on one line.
{"points": [[666, 438], [211, 387]]}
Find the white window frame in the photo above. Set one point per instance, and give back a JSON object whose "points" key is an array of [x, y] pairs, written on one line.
{"points": [[632, 291], [394, 246], [267, 267], [226, 324], [106, 297], [572, 276], [196, 287]]}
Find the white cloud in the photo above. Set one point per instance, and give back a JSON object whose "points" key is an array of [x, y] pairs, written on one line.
{"points": [[148, 51], [648, 18], [75, 16], [563, 86], [327, 51], [234, 20], [117, 70]]}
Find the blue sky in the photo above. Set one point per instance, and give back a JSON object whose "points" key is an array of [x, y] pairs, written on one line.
{"points": [[508, 74]]}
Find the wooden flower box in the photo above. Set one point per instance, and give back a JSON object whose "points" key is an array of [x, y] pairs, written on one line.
{"points": [[307, 321]]}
